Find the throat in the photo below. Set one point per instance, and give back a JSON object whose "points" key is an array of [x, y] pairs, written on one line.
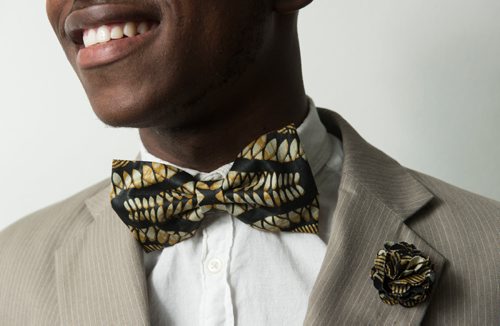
{"points": [[212, 145]]}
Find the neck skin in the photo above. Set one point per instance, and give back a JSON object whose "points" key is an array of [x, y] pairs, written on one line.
{"points": [[267, 97]]}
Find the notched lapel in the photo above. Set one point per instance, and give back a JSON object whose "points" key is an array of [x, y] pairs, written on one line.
{"points": [[376, 197], [100, 274]]}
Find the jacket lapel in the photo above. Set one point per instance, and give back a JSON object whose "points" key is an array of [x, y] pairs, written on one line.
{"points": [[376, 196], [100, 273]]}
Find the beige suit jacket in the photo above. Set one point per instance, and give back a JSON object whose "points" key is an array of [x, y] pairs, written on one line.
{"points": [[76, 263]]}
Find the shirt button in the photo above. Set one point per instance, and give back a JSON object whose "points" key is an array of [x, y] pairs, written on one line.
{"points": [[214, 265]]}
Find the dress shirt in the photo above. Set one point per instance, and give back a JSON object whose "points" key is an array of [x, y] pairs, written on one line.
{"points": [[231, 274]]}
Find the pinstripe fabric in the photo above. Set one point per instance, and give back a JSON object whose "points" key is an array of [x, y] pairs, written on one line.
{"points": [[75, 263]]}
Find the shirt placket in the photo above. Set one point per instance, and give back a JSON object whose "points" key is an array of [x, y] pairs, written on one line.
{"points": [[216, 302]]}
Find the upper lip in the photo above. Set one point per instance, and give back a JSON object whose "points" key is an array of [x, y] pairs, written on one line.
{"points": [[93, 16]]}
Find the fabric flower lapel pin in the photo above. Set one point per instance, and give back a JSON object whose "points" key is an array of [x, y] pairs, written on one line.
{"points": [[402, 274]]}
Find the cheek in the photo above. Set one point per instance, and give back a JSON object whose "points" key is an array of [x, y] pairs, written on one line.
{"points": [[57, 10], [54, 10], [193, 54]]}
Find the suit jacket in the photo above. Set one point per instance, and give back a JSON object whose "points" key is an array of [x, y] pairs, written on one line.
{"points": [[76, 263]]}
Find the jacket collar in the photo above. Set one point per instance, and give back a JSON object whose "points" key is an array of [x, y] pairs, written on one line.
{"points": [[100, 271], [382, 176], [100, 274]]}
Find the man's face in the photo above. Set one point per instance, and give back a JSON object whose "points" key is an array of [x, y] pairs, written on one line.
{"points": [[192, 51]]}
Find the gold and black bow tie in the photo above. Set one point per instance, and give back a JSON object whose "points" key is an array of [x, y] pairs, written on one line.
{"points": [[270, 186]]}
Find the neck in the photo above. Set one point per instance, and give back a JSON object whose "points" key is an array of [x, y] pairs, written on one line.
{"points": [[266, 98]]}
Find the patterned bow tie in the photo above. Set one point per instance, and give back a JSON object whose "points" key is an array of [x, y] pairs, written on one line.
{"points": [[270, 186]]}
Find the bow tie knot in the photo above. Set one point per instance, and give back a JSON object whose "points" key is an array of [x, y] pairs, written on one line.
{"points": [[270, 186]]}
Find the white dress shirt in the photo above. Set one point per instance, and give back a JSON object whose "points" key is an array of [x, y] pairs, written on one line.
{"points": [[231, 274]]}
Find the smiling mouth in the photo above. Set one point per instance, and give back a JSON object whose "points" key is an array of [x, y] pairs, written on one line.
{"points": [[103, 34]]}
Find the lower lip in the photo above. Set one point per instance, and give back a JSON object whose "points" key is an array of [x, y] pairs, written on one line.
{"points": [[109, 52]]}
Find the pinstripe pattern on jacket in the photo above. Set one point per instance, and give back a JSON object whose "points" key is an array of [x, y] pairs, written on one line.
{"points": [[75, 262]]}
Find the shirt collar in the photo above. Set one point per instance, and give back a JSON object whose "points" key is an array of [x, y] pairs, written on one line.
{"points": [[313, 138]]}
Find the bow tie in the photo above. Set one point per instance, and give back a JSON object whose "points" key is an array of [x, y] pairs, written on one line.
{"points": [[270, 186]]}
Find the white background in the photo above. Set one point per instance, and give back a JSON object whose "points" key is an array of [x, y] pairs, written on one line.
{"points": [[418, 79]]}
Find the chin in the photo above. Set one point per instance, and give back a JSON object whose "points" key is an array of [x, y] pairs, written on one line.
{"points": [[122, 116], [124, 108]]}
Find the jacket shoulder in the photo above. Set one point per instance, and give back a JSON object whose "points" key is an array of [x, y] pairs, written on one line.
{"points": [[457, 198], [48, 225], [458, 213]]}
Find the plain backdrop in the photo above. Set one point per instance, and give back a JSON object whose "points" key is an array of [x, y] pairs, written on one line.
{"points": [[418, 79]]}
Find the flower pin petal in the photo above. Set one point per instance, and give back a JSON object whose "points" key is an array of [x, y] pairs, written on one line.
{"points": [[402, 274]]}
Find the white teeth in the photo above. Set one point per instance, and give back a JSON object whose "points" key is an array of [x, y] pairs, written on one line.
{"points": [[130, 29], [89, 37], [116, 32], [103, 35], [142, 28], [106, 33]]}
